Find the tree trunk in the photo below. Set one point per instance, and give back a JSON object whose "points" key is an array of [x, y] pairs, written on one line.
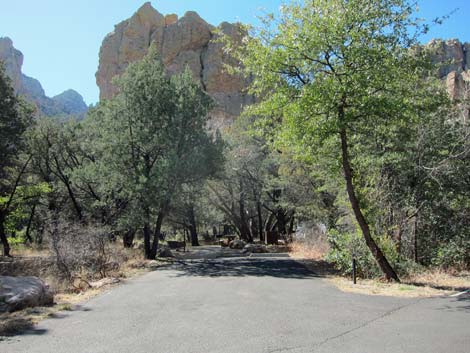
{"points": [[281, 221], [192, 226], [147, 230], [76, 205], [398, 238], [128, 238], [156, 236], [147, 247], [415, 239], [30, 221], [3, 236], [245, 232], [290, 233], [382, 261], [268, 227], [194, 236], [419, 199], [260, 221]]}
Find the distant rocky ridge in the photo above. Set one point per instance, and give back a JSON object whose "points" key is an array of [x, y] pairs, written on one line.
{"points": [[190, 41], [187, 41], [453, 60], [68, 103]]}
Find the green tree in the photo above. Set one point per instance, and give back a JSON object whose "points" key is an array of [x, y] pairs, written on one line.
{"points": [[56, 155], [261, 191], [330, 72], [152, 140], [15, 117], [426, 193]]}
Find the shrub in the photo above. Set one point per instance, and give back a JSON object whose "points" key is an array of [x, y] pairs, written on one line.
{"points": [[344, 244], [455, 254], [309, 243], [81, 252]]}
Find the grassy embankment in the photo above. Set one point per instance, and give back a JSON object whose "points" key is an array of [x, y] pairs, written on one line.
{"points": [[425, 283]]}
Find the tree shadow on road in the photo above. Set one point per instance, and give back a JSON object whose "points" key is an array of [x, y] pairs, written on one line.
{"points": [[435, 286], [242, 267], [23, 322], [461, 303]]}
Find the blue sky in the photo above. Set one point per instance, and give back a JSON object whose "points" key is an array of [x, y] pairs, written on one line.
{"points": [[60, 39]]}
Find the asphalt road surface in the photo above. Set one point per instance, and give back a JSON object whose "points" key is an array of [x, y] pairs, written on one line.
{"points": [[249, 305]]}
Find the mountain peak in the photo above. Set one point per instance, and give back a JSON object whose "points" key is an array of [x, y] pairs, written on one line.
{"points": [[69, 102]]}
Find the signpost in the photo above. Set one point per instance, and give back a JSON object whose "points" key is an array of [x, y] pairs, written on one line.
{"points": [[354, 269]]}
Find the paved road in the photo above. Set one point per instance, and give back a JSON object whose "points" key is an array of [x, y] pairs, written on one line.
{"points": [[249, 305]]}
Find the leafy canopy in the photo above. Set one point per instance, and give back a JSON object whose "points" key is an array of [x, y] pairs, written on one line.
{"points": [[151, 138]]}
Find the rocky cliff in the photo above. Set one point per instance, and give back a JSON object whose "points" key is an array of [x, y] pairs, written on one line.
{"points": [[191, 41], [453, 60], [187, 41], [12, 61], [66, 103]]}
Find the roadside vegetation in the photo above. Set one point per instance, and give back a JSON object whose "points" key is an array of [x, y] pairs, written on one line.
{"points": [[353, 149], [417, 281]]}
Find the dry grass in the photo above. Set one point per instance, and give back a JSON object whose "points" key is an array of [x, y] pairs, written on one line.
{"points": [[439, 279], [17, 322], [312, 253], [432, 283], [26, 251], [70, 300], [375, 287], [11, 324], [67, 297], [312, 250], [66, 300]]}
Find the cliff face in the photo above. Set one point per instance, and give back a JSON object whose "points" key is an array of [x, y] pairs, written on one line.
{"points": [[453, 61], [188, 41], [67, 103], [12, 61], [70, 102]]}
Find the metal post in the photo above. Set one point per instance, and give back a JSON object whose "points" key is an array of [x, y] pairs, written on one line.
{"points": [[354, 270]]}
